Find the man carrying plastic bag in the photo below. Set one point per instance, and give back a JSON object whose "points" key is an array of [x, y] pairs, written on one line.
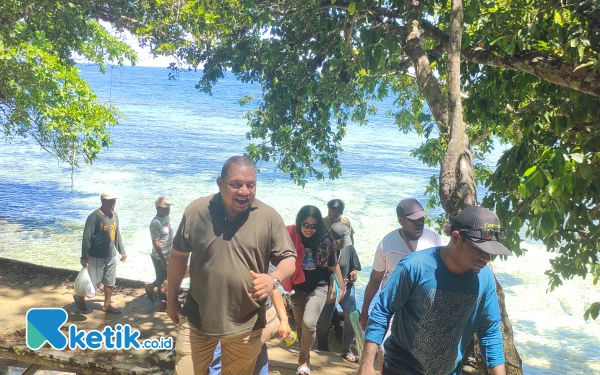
{"points": [[100, 244]]}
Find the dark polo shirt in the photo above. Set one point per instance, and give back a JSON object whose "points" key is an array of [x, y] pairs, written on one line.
{"points": [[222, 255]]}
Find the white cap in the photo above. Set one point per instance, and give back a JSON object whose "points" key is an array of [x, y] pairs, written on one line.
{"points": [[107, 196], [163, 202]]}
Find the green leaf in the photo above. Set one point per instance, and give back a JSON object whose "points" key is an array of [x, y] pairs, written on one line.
{"points": [[569, 183], [589, 63], [351, 8], [498, 39], [581, 51], [547, 223], [538, 179], [585, 170], [577, 157], [510, 48], [593, 311], [530, 171], [558, 19], [555, 188]]}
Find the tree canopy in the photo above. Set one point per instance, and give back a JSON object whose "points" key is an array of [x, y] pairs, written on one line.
{"points": [[530, 77], [42, 95]]}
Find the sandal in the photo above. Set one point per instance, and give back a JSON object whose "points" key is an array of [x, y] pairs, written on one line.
{"points": [[150, 293], [303, 370], [349, 357], [84, 308], [113, 311]]}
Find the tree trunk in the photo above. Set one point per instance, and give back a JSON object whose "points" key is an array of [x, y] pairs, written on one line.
{"points": [[457, 180], [513, 360]]}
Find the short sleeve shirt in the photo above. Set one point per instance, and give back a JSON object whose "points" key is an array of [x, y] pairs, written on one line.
{"points": [[393, 248], [222, 255], [348, 261], [162, 231], [315, 276]]}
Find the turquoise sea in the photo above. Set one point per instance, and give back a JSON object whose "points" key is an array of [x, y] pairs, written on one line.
{"points": [[174, 141]]}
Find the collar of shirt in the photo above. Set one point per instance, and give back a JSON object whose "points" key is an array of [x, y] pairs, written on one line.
{"points": [[216, 203]]}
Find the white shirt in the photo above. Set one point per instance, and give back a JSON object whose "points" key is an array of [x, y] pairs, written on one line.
{"points": [[393, 248]]}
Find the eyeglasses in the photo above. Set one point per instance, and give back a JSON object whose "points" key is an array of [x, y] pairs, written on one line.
{"points": [[486, 234], [308, 226]]}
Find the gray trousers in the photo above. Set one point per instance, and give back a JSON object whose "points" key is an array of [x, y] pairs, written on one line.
{"points": [[323, 329], [307, 308]]}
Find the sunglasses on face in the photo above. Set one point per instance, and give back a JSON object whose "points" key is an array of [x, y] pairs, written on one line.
{"points": [[486, 234], [308, 226]]}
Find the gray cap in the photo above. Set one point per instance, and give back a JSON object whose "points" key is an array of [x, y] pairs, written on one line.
{"points": [[411, 209], [341, 233]]}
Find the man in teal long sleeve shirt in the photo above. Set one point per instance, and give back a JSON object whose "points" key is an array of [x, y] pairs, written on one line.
{"points": [[439, 298]]}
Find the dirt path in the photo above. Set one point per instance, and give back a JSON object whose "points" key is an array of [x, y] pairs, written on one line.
{"points": [[24, 286]]}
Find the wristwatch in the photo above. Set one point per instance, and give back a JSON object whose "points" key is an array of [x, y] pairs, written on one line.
{"points": [[276, 283]]}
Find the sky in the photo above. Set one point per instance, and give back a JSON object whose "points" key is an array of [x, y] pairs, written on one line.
{"points": [[145, 58]]}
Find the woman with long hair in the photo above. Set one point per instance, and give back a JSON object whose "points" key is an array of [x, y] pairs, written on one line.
{"points": [[315, 262]]}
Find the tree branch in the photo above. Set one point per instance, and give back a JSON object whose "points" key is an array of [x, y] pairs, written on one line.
{"points": [[426, 80], [481, 137], [379, 11], [549, 69]]}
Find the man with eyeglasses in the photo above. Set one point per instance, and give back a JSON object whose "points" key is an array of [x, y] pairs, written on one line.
{"points": [[231, 237], [438, 299]]}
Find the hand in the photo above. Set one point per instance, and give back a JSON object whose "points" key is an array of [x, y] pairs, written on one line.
{"points": [[164, 264], [261, 286], [362, 320], [123, 257], [173, 310], [84, 262], [353, 276], [284, 330]]}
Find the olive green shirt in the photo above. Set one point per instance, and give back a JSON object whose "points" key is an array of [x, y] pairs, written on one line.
{"points": [[222, 254]]}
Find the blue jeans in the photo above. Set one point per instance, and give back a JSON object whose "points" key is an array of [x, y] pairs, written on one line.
{"points": [[261, 367]]}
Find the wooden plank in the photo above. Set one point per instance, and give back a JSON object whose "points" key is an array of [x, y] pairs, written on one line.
{"points": [[69, 362], [284, 360], [13, 363], [31, 370]]}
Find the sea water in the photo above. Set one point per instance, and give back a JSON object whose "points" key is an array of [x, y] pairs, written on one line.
{"points": [[174, 141]]}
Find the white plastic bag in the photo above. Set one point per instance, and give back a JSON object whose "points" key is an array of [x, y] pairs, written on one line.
{"points": [[83, 284]]}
